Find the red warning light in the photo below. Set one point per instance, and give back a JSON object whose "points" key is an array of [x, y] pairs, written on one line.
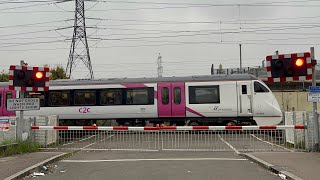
{"points": [[299, 62], [39, 75]]}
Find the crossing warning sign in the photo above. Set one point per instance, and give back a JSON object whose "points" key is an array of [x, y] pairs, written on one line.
{"points": [[4, 124], [25, 104]]}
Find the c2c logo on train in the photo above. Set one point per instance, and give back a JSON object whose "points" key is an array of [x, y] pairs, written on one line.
{"points": [[84, 110]]}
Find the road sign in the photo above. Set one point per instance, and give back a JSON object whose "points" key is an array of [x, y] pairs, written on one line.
{"points": [[313, 97], [315, 89], [25, 104], [4, 124]]}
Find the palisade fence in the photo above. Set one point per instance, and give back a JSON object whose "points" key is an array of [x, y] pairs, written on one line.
{"points": [[257, 71], [296, 134]]}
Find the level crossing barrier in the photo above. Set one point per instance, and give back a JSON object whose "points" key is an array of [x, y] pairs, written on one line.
{"points": [[175, 138]]}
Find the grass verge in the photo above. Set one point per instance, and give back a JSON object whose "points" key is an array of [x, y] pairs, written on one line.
{"points": [[11, 147]]}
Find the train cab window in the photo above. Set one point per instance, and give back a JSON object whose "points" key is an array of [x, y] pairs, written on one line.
{"points": [[137, 96], [33, 94], [259, 88], [111, 97], [84, 97], [244, 89], [165, 95], [204, 94], [177, 95], [59, 98]]}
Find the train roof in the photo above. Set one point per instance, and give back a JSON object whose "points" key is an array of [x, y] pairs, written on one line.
{"points": [[233, 77], [219, 77]]}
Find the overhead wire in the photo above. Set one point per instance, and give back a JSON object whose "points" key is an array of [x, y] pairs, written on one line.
{"points": [[174, 3], [26, 6]]}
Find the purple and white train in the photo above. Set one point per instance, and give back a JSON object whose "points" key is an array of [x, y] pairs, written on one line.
{"points": [[239, 99]]}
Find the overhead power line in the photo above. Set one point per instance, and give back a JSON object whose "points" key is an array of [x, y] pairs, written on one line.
{"points": [[32, 24], [243, 21], [26, 6], [33, 32], [199, 4]]}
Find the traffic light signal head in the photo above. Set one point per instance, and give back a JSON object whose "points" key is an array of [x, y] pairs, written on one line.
{"points": [[289, 67], [299, 62], [29, 78], [39, 75]]}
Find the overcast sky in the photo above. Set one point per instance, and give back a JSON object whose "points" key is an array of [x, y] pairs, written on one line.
{"points": [[126, 36]]}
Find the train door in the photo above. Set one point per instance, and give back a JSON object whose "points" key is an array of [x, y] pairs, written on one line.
{"points": [[245, 98], [1, 101], [7, 94], [171, 99]]}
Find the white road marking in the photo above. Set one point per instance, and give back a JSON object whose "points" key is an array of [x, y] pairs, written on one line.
{"points": [[166, 159], [151, 150], [79, 140], [271, 143], [233, 148], [96, 142], [87, 138]]}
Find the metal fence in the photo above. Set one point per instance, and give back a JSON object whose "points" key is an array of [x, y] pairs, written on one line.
{"points": [[180, 138]]}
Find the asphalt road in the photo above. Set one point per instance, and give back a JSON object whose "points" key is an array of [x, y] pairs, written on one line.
{"points": [[158, 165], [209, 141], [165, 156]]}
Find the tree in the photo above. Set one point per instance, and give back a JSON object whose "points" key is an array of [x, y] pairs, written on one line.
{"points": [[58, 73], [4, 77]]}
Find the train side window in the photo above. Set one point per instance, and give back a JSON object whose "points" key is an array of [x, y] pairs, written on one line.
{"points": [[244, 89], [259, 88], [137, 96], [204, 94], [59, 98], [0, 99], [9, 95], [84, 97], [177, 95], [165, 95], [34, 94], [111, 97]]}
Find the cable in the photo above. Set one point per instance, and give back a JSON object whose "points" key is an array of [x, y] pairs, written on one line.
{"points": [[28, 38], [27, 6], [30, 43], [23, 2], [247, 21], [200, 34], [32, 24], [164, 3], [33, 32]]}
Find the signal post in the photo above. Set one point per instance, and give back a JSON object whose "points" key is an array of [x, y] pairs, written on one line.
{"points": [[25, 78], [296, 67]]}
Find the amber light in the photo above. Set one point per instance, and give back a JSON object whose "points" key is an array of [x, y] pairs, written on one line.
{"points": [[39, 75], [299, 62]]}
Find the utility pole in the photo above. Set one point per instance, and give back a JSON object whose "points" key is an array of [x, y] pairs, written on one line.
{"points": [[20, 123], [79, 50], [160, 68], [212, 69], [314, 109], [240, 58]]}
